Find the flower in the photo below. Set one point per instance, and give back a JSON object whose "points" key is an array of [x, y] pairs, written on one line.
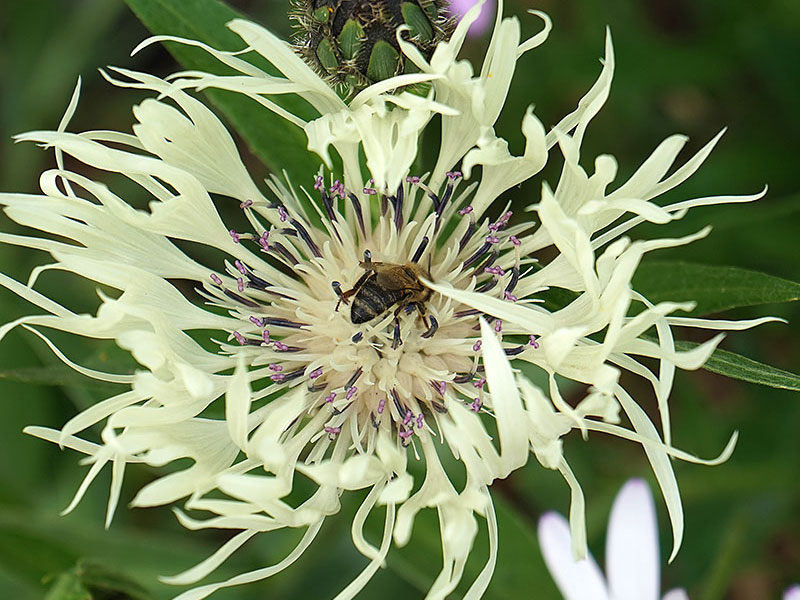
{"points": [[632, 561], [263, 371], [792, 593], [460, 7]]}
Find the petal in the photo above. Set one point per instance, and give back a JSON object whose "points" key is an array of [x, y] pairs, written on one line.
{"points": [[632, 561], [581, 580], [680, 594]]}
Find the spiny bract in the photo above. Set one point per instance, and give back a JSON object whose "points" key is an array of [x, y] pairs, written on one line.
{"points": [[354, 42]]}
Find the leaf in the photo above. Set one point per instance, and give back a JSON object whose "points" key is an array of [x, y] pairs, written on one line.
{"points": [[742, 368], [713, 288], [68, 586], [281, 145]]}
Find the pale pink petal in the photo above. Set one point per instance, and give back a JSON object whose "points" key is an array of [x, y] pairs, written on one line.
{"points": [[581, 580], [793, 593], [632, 561]]}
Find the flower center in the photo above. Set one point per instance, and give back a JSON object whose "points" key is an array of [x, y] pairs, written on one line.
{"points": [[344, 309]]}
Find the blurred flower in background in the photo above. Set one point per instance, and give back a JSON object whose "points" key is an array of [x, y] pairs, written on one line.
{"points": [[633, 564], [459, 8]]}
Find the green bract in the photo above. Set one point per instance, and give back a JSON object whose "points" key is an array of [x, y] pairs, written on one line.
{"points": [[354, 42]]}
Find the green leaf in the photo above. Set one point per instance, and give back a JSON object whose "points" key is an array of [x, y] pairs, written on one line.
{"points": [[68, 586], [281, 145], [713, 288], [742, 368]]}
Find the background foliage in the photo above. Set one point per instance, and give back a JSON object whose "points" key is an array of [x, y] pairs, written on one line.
{"points": [[682, 67]]}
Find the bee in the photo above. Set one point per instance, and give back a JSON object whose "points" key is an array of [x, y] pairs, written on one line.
{"points": [[384, 285]]}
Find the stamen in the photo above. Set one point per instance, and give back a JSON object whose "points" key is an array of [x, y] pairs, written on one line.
{"points": [[480, 383], [256, 321], [215, 278], [467, 234], [515, 351], [240, 266], [420, 420], [234, 236], [257, 283], [353, 378], [487, 286], [294, 374], [327, 202], [240, 338], [318, 185], [330, 397], [495, 270], [359, 215], [306, 238], [277, 377], [513, 281], [396, 341], [275, 367], [265, 336], [533, 341], [420, 249], [492, 239], [240, 299], [293, 262], [264, 241], [434, 325], [466, 313], [282, 213], [479, 253], [351, 392], [317, 387], [246, 204], [381, 405], [357, 337], [413, 179], [283, 323], [369, 190], [315, 373], [514, 240], [477, 346], [333, 431], [440, 408], [409, 416], [463, 377], [509, 296], [240, 284], [398, 207], [453, 175], [476, 404], [465, 211], [280, 346]]}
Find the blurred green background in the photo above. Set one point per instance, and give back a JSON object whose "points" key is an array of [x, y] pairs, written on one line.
{"points": [[683, 67]]}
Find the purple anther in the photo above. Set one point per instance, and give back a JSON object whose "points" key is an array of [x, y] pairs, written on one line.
{"points": [[234, 236], [409, 416], [492, 239], [477, 346], [283, 214], [246, 204], [465, 211], [256, 321], [509, 296], [240, 284], [405, 434], [476, 404], [533, 342], [369, 191], [277, 377], [275, 367], [412, 179], [479, 384], [333, 430], [495, 270], [318, 182], [330, 397], [240, 267], [265, 336], [337, 189], [441, 386], [315, 373], [215, 278], [351, 392], [453, 175], [498, 326], [280, 346], [240, 338], [381, 405], [420, 420], [514, 240]]}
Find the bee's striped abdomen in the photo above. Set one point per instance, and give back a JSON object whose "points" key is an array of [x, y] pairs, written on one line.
{"points": [[371, 300]]}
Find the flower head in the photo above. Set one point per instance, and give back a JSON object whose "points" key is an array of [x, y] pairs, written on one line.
{"points": [[354, 322], [632, 556]]}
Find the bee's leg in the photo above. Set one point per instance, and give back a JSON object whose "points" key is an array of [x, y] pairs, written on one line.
{"points": [[432, 327], [343, 296]]}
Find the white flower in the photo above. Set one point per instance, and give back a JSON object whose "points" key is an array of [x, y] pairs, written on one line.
{"points": [[632, 557], [256, 371], [792, 593]]}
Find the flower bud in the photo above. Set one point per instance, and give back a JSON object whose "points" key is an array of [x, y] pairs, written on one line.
{"points": [[353, 43]]}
